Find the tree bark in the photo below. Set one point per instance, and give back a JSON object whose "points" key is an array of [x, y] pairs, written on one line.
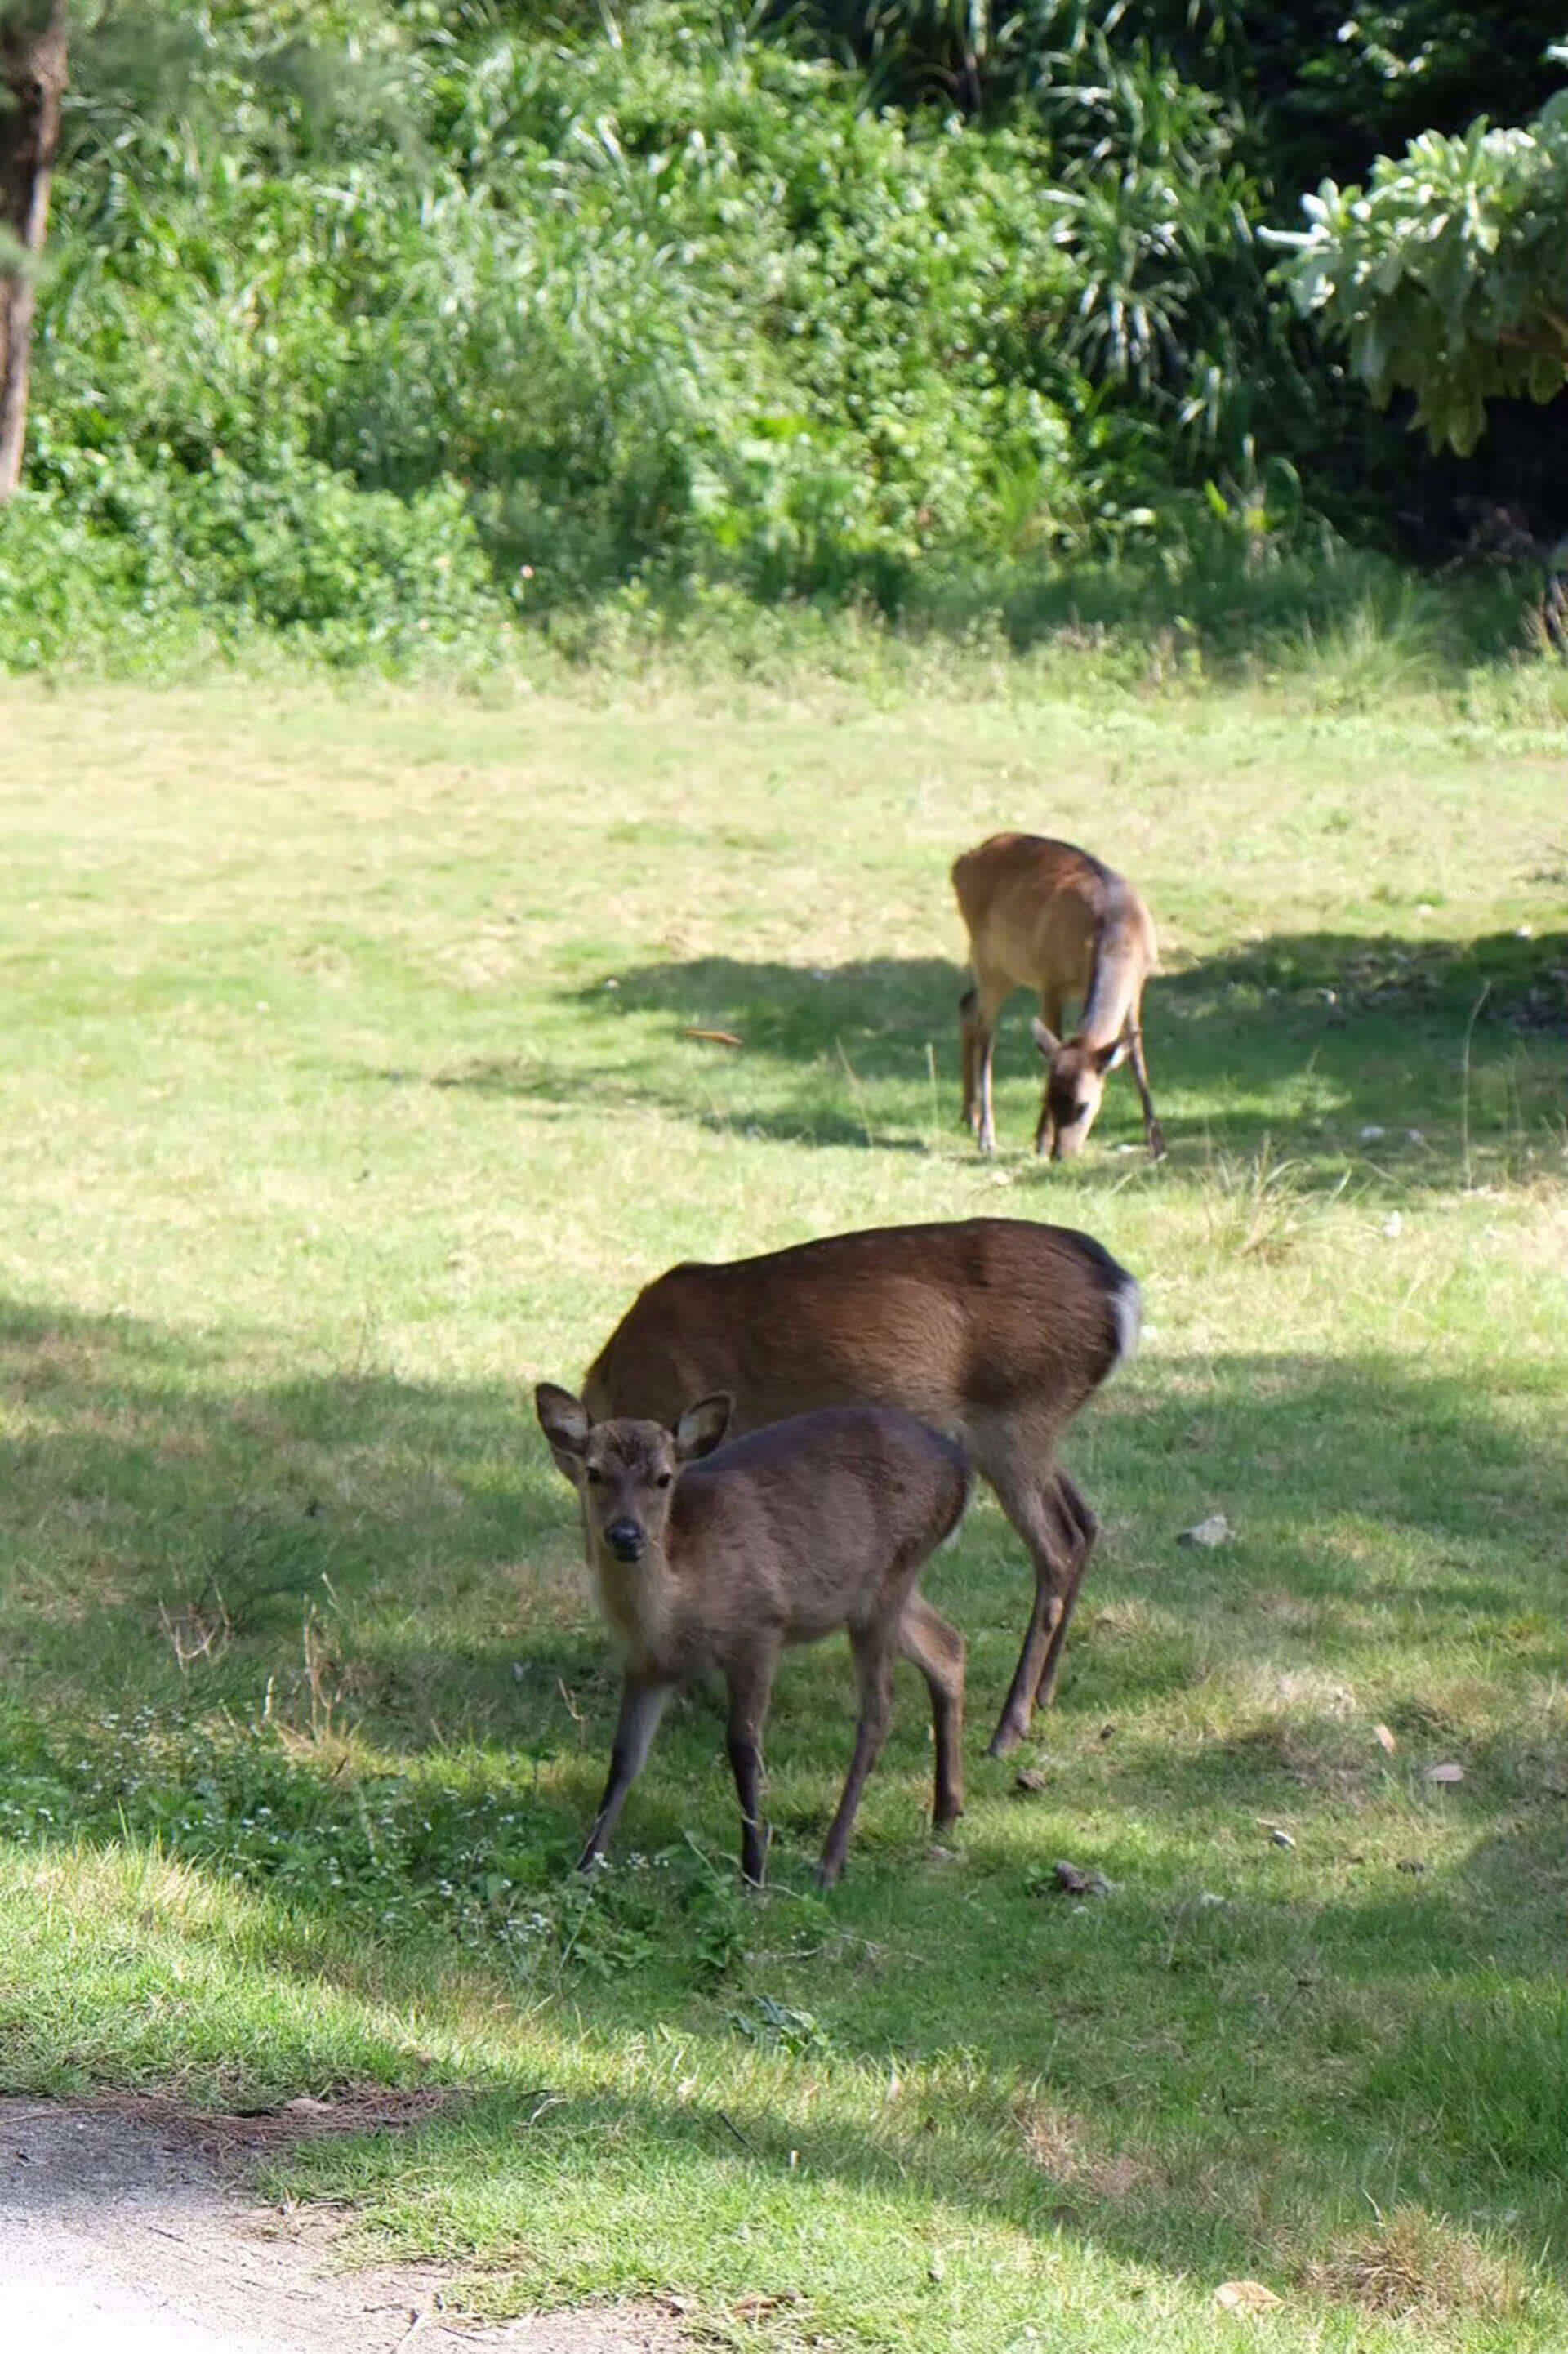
{"points": [[32, 79]]}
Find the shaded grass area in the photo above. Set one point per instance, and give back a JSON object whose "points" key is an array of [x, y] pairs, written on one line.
{"points": [[323, 1137], [1325, 1036]]}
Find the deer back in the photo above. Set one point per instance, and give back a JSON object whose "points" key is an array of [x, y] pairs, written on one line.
{"points": [[951, 1321], [810, 1525]]}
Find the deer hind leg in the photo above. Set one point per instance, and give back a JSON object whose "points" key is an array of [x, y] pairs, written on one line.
{"points": [[750, 1686], [969, 1049], [1058, 1528], [927, 1640], [873, 1652], [977, 1010], [1080, 1528]]}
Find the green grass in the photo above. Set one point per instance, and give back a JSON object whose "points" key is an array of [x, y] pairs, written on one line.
{"points": [[346, 1089]]}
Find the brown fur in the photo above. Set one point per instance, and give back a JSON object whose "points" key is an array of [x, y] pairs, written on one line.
{"points": [[1043, 916], [994, 1330], [821, 1521]]}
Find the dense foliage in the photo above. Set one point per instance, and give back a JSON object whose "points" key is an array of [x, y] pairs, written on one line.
{"points": [[380, 320], [1448, 275]]}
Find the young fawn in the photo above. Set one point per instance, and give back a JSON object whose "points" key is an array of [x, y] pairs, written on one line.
{"points": [[1043, 916], [821, 1521]]}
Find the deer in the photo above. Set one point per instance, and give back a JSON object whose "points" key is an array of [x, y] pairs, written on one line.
{"points": [[994, 1330], [1045, 916], [709, 1560]]}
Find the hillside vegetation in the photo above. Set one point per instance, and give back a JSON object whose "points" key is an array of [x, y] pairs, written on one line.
{"points": [[391, 325]]}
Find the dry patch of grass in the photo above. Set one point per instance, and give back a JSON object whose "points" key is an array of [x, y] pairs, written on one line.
{"points": [[1413, 2265], [1066, 2150]]}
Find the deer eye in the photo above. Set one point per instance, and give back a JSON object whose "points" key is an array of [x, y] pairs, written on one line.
{"points": [[594, 1476], [662, 1480]]}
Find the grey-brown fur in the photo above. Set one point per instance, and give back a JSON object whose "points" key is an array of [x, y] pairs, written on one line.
{"points": [[714, 1566], [994, 1330], [1045, 916]]}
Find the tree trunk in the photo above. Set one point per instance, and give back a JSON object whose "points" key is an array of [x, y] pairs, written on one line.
{"points": [[32, 78]]}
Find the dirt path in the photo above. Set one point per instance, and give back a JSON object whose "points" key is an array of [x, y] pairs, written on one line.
{"points": [[123, 2226]]}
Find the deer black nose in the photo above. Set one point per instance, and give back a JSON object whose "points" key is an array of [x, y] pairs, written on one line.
{"points": [[624, 1539]]}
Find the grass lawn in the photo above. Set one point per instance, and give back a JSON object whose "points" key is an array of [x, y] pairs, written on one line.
{"points": [[347, 1088]]}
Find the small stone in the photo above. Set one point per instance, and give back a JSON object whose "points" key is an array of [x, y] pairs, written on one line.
{"points": [[1214, 1531], [1411, 1863], [1029, 1780], [1371, 1133], [1444, 1774], [1072, 1880], [1281, 1839], [1209, 1899], [1384, 1738], [1393, 1224]]}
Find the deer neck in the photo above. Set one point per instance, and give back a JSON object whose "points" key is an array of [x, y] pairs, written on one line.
{"points": [[1109, 994], [638, 1599]]}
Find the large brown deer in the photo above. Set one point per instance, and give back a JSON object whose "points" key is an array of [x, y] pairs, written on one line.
{"points": [[1043, 916], [823, 1521], [994, 1330]]}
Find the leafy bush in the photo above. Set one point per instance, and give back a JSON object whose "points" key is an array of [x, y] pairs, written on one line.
{"points": [[301, 550], [1446, 276]]}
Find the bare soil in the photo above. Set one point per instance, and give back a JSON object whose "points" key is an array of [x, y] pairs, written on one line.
{"points": [[125, 2222]]}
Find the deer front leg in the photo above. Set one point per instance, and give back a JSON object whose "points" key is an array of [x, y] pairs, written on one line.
{"points": [[643, 1703], [1153, 1135]]}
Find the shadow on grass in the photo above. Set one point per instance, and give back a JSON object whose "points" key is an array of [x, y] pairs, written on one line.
{"points": [[140, 1483], [144, 1491], [1323, 1044]]}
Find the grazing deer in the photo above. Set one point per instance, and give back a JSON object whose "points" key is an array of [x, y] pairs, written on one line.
{"points": [[994, 1330], [823, 1521], [1042, 915]]}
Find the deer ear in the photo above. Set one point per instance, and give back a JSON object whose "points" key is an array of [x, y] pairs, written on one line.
{"points": [[1110, 1056], [1046, 1040], [564, 1420], [702, 1427]]}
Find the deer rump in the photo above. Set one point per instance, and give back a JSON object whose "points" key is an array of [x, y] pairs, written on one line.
{"points": [[995, 1330]]}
